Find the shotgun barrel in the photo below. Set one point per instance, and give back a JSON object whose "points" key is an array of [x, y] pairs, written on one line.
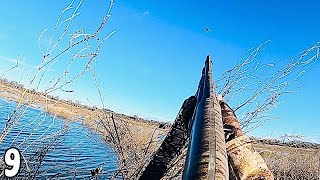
{"points": [[207, 156]]}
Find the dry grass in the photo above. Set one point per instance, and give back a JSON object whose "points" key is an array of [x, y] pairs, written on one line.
{"points": [[291, 162], [53, 106], [284, 161], [134, 141]]}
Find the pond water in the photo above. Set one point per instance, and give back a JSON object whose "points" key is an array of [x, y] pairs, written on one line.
{"points": [[65, 150]]}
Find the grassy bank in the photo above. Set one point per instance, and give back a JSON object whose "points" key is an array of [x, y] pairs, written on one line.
{"points": [[133, 138]]}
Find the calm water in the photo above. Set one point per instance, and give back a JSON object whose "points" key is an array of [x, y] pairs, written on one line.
{"points": [[76, 150]]}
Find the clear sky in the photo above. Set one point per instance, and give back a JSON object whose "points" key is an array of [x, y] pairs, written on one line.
{"points": [[154, 60]]}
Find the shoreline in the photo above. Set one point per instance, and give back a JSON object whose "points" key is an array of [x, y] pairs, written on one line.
{"points": [[68, 110], [134, 135]]}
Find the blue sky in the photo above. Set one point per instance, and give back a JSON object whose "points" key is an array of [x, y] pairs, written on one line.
{"points": [[154, 60]]}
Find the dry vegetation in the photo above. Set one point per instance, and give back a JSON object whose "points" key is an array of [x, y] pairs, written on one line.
{"points": [[256, 87], [285, 160], [291, 162], [133, 138]]}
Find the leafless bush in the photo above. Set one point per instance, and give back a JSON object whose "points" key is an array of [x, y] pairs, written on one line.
{"points": [[255, 87]]}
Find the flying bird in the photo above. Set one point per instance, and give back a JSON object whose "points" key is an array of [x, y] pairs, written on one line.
{"points": [[207, 29]]}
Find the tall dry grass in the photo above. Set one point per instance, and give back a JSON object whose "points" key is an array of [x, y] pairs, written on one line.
{"points": [[61, 45], [290, 162]]}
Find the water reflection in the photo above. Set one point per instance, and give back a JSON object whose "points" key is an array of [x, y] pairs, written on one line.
{"points": [[66, 150]]}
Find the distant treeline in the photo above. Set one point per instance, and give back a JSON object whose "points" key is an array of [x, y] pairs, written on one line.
{"points": [[293, 143]]}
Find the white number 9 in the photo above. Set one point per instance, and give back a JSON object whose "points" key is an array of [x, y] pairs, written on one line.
{"points": [[12, 158]]}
